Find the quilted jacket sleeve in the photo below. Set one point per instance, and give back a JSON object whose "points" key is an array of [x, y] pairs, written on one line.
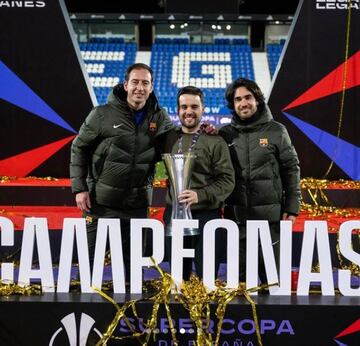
{"points": [[82, 149]]}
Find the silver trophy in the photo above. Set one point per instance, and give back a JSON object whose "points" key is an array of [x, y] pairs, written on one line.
{"points": [[179, 168]]}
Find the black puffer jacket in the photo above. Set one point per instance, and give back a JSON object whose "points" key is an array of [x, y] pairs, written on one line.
{"points": [[114, 158], [266, 167]]}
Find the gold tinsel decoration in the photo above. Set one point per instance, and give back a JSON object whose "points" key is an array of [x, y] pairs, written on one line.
{"points": [[163, 288], [120, 313], [312, 183], [321, 207], [195, 299], [30, 177], [9, 288], [6, 179]]}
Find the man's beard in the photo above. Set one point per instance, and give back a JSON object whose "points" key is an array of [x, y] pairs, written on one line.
{"points": [[191, 126]]}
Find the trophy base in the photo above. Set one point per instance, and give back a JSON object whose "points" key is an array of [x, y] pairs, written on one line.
{"points": [[187, 231], [179, 211]]}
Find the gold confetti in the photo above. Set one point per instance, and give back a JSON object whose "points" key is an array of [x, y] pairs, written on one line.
{"points": [[30, 177], [9, 288]]}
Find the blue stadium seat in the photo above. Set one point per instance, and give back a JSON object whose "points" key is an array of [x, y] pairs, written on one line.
{"points": [[273, 51], [211, 67], [106, 61]]}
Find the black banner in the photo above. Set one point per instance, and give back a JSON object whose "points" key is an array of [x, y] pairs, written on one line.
{"points": [[44, 92], [316, 90], [75, 319]]}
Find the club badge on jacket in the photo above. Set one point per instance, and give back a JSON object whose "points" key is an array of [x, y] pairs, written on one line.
{"points": [[152, 127], [263, 142]]}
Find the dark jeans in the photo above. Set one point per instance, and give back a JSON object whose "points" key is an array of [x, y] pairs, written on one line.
{"points": [[195, 242], [98, 212]]}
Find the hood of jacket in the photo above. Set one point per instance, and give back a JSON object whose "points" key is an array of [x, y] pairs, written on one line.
{"points": [[118, 99]]}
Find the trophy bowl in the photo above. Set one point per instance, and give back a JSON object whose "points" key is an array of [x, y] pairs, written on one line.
{"points": [[179, 168]]}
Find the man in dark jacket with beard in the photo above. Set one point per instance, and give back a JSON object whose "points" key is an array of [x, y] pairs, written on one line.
{"points": [[266, 166], [114, 155]]}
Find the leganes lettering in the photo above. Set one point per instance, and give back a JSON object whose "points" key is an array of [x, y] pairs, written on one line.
{"points": [[20, 4]]}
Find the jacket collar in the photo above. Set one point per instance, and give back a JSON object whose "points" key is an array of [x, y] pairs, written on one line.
{"points": [[118, 98], [262, 116]]}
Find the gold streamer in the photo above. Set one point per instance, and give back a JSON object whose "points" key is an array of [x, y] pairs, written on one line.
{"points": [[30, 177], [342, 102], [316, 189], [327, 211], [224, 296], [120, 313], [6, 178], [164, 285], [196, 300], [321, 210], [9, 288], [312, 183], [321, 206], [194, 297]]}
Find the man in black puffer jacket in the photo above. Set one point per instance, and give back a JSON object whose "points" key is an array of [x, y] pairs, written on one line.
{"points": [[113, 157], [266, 166]]}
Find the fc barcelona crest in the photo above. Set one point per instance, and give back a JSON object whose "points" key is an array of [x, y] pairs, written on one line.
{"points": [[152, 127], [263, 142]]}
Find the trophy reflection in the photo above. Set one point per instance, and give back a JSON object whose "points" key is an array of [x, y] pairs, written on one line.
{"points": [[179, 168]]}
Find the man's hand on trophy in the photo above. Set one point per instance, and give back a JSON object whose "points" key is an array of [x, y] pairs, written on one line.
{"points": [[189, 197]]}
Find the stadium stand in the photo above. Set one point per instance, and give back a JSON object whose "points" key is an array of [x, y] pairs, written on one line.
{"points": [[106, 60], [273, 51], [176, 63], [208, 66]]}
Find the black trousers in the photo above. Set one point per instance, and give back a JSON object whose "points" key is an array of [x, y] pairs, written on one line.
{"points": [[98, 212], [195, 242]]}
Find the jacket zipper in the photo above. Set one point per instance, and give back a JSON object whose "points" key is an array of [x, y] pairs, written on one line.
{"points": [[134, 154], [247, 169]]}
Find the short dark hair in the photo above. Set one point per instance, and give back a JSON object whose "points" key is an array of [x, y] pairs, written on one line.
{"points": [[248, 84], [192, 91], [138, 66]]}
